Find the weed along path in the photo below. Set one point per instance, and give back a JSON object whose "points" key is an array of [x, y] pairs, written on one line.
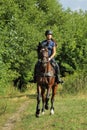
{"points": [[9, 125]]}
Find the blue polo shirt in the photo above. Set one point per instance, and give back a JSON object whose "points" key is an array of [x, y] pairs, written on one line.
{"points": [[49, 45]]}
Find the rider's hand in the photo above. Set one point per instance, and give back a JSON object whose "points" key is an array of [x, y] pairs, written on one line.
{"points": [[49, 59]]}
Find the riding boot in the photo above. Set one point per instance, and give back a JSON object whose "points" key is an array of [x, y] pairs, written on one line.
{"points": [[58, 80]]}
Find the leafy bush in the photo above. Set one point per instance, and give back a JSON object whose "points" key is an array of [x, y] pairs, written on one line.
{"points": [[75, 83]]}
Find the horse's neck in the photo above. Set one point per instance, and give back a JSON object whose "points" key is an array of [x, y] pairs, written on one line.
{"points": [[48, 67]]}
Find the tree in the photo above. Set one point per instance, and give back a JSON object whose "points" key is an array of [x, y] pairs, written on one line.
{"points": [[22, 26]]}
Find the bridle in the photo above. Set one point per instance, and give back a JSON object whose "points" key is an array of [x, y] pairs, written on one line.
{"points": [[44, 60], [44, 55]]}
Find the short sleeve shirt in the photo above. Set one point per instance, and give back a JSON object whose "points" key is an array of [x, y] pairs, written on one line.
{"points": [[49, 45]]}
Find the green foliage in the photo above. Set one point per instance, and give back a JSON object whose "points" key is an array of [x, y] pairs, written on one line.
{"points": [[22, 26], [75, 83]]}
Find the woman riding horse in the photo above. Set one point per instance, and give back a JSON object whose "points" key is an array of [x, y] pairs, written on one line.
{"points": [[51, 45], [45, 74]]}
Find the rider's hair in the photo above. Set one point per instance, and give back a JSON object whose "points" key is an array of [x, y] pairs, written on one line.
{"points": [[54, 41]]}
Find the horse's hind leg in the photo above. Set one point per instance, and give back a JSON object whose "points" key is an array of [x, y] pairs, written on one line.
{"points": [[38, 101]]}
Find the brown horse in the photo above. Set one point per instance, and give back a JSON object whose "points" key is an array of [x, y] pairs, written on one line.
{"points": [[45, 82]]}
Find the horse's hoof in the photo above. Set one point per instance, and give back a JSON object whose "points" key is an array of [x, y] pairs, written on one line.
{"points": [[51, 112], [37, 115]]}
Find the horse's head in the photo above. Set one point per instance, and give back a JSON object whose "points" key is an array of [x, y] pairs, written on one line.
{"points": [[43, 55]]}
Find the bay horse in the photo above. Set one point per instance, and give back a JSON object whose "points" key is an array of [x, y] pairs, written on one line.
{"points": [[45, 82]]}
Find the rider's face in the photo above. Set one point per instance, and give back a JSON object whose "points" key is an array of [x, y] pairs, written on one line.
{"points": [[49, 37]]}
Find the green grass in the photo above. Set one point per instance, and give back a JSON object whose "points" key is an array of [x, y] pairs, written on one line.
{"points": [[8, 106], [70, 111], [70, 114]]}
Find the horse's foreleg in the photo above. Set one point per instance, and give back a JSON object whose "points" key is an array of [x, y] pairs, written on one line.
{"points": [[52, 105], [52, 99], [43, 100], [38, 101], [47, 98]]}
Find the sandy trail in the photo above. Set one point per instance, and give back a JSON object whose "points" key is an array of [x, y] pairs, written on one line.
{"points": [[9, 125]]}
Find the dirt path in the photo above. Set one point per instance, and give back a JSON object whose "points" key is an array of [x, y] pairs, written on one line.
{"points": [[9, 125]]}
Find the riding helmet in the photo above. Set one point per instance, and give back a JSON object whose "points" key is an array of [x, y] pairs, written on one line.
{"points": [[48, 32]]}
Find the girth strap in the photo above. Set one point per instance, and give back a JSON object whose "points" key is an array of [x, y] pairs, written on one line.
{"points": [[48, 74]]}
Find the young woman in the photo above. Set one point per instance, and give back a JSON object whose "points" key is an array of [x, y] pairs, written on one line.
{"points": [[51, 45]]}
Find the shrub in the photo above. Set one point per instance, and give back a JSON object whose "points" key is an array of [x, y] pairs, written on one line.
{"points": [[75, 83]]}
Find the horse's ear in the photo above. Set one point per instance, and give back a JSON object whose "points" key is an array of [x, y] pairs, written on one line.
{"points": [[46, 49]]}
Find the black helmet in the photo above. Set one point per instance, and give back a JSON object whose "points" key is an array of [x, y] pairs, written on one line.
{"points": [[48, 32]]}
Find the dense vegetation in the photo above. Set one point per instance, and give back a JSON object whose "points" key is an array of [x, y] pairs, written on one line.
{"points": [[22, 26]]}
